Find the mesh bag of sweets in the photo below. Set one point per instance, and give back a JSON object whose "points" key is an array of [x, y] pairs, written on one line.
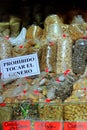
{"points": [[79, 56], [47, 56], [64, 53], [50, 111]]}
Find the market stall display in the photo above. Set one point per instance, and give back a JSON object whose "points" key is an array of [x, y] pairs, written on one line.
{"points": [[59, 92]]}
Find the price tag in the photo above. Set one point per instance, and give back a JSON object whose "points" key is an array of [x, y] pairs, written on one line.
{"points": [[48, 126], [16, 125], [39, 126], [75, 125]]}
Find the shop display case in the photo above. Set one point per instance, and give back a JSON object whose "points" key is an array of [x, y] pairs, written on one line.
{"points": [[43, 65]]}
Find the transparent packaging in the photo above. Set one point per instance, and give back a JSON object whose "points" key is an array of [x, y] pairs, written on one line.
{"points": [[64, 53], [52, 25], [5, 48], [79, 56], [47, 56]]}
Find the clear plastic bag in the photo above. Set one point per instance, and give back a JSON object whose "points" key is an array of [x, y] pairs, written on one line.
{"points": [[64, 54], [53, 27], [5, 48], [33, 32], [79, 56], [75, 107], [47, 56]]}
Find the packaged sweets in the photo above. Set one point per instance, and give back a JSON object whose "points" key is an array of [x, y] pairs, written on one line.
{"points": [[5, 52], [64, 85], [52, 25], [79, 56], [75, 106], [33, 32], [78, 19], [5, 49], [24, 49], [77, 31], [47, 56], [64, 53], [51, 111]]}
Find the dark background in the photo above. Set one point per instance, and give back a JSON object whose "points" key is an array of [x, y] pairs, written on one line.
{"points": [[36, 11]]}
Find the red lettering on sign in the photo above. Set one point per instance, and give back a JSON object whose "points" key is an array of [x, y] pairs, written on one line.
{"points": [[75, 125], [16, 125]]}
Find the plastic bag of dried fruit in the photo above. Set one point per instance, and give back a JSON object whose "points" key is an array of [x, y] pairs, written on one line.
{"points": [[53, 27], [17, 89], [5, 48], [64, 53], [47, 56], [81, 84], [34, 33], [75, 107], [5, 52]]}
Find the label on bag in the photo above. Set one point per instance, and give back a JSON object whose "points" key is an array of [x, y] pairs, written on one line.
{"points": [[47, 126], [16, 125], [75, 125], [19, 67]]}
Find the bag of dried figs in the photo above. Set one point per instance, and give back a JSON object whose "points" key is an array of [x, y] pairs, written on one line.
{"points": [[64, 53]]}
